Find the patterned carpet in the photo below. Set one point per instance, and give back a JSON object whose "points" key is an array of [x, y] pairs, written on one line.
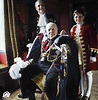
{"points": [[14, 96], [94, 92]]}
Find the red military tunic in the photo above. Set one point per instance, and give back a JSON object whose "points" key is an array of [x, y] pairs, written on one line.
{"points": [[86, 40]]}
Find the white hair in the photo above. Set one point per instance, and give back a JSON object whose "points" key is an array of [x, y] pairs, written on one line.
{"points": [[39, 1], [51, 24]]}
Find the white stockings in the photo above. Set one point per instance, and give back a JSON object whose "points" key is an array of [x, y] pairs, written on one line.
{"points": [[89, 80]]}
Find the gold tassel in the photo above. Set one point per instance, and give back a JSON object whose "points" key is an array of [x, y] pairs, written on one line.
{"points": [[44, 96], [40, 80], [58, 85]]}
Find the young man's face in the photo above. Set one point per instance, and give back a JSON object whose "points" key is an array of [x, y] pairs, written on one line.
{"points": [[40, 8], [51, 30], [78, 18]]}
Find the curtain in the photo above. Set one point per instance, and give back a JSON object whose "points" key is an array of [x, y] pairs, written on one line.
{"points": [[11, 38]]}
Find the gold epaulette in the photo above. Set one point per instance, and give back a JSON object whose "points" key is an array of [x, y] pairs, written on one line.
{"points": [[94, 50]]}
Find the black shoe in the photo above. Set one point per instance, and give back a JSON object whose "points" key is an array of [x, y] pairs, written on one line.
{"points": [[80, 97], [19, 95], [31, 97], [86, 98]]}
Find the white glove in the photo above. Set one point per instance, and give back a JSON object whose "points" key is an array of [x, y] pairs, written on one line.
{"points": [[14, 71], [93, 59], [15, 68]]}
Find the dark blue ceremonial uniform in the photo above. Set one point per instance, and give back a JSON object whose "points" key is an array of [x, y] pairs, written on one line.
{"points": [[68, 85], [28, 87]]}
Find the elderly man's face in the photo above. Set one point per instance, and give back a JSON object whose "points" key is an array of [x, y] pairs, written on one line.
{"points": [[40, 8], [51, 30]]}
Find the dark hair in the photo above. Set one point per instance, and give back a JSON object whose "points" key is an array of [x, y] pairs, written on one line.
{"points": [[79, 11]]}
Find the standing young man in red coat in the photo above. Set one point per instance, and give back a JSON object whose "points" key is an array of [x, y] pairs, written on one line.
{"points": [[85, 37]]}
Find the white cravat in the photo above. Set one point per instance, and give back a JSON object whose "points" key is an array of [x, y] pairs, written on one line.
{"points": [[42, 20], [78, 30], [42, 23]]}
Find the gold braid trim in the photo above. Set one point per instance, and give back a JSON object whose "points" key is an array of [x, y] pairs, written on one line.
{"points": [[94, 50], [80, 42]]}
